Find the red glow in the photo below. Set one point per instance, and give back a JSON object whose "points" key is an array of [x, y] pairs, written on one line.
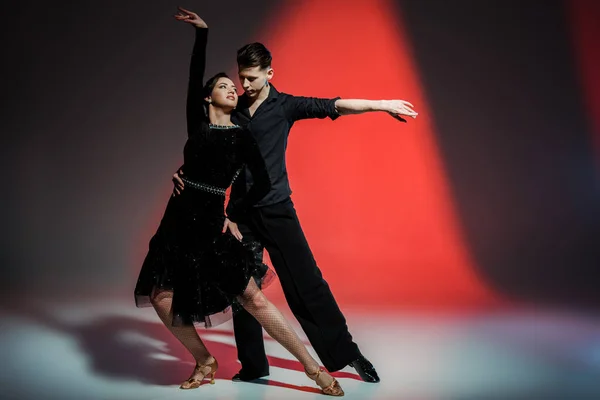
{"points": [[585, 15], [371, 192]]}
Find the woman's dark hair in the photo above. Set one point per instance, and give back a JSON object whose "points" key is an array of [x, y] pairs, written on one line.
{"points": [[208, 88], [206, 91], [211, 82], [254, 55]]}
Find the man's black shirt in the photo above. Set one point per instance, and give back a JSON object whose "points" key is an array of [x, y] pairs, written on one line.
{"points": [[270, 125]]}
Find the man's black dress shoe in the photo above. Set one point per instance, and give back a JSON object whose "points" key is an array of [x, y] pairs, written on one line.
{"points": [[244, 377], [365, 369]]}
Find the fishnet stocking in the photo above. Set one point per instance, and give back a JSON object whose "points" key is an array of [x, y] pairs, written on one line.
{"points": [[271, 319]]}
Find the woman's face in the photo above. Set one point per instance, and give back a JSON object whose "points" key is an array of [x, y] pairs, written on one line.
{"points": [[224, 94]]}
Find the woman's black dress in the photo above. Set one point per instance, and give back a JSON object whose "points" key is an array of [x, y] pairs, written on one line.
{"points": [[189, 254]]}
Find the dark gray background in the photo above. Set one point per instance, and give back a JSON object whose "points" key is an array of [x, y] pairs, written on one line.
{"points": [[93, 126]]}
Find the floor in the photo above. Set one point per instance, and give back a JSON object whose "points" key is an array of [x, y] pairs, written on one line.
{"points": [[111, 350]]}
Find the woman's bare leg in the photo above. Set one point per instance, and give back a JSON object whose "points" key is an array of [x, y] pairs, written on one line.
{"points": [[187, 335]]}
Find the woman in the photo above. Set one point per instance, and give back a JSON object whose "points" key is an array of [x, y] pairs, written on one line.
{"points": [[193, 272]]}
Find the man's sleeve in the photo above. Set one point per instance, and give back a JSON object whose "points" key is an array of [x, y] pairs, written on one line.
{"points": [[298, 107]]}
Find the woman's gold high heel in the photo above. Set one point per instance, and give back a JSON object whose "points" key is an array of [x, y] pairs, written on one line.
{"points": [[334, 389], [193, 383]]}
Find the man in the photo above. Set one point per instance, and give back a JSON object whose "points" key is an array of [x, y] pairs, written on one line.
{"points": [[269, 115]]}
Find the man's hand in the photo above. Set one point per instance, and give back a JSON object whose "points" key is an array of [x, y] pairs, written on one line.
{"points": [[233, 228], [177, 183], [190, 17], [399, 109]]}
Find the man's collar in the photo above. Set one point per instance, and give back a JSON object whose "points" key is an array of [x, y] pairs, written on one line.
{"points": [[273, 95]]}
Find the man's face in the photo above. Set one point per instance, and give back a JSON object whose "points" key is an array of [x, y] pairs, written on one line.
{"points": [[254, 79]]}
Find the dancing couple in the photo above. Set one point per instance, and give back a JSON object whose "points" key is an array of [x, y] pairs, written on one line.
{"points": [[204, 266]]}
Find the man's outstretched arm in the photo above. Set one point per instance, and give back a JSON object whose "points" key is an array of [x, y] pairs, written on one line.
{"points": [[297, 107], [396, 108]]}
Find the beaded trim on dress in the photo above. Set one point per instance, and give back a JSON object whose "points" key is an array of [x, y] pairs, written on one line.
{"points": [[209, 188], [215, 126], [204, 187]]}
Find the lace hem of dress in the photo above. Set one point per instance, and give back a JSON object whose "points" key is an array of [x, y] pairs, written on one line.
{"points": [[205, 285]]}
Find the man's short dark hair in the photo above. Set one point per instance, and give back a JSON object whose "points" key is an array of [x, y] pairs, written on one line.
{"points": [[254, 55]]}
